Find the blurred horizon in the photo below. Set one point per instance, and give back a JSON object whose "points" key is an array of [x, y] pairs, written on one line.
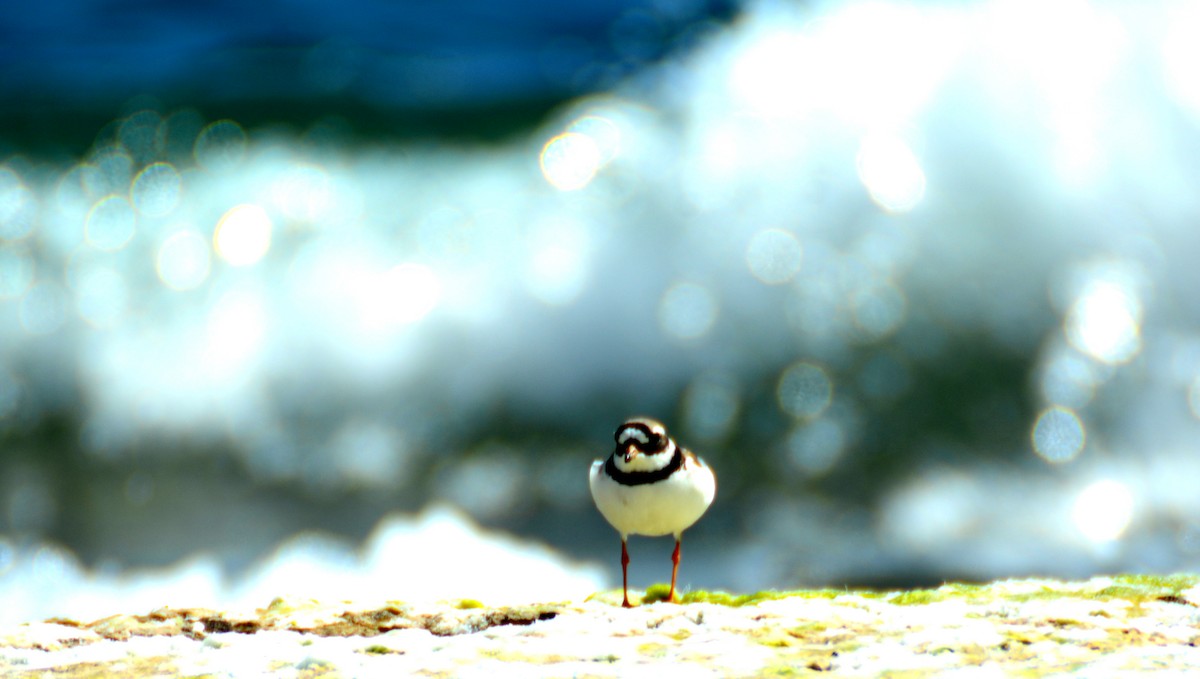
{"points": [[915, 278]]}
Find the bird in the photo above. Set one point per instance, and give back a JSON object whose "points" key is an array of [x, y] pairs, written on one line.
{"points": [[650, 486]]}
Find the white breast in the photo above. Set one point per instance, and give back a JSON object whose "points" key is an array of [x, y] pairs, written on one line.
{"points": [[667, 507]]}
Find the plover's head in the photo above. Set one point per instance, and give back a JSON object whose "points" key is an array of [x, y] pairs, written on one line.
{"points": [[642, 437]]}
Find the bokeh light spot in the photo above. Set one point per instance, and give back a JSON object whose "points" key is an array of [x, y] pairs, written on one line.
{"points": [[570, 161], [687, 311], [108, 174], [156, 190], [1058, 435], [815, 447], [891, 173], [1069, 379], [1105, 321], [184, 260], [220, 146], [773, 256], [70, 194], [805, 390], [878, 310], [243, 235], [17, 206], [110, 223], [602, 131], [1103, 510], [140, 135]]}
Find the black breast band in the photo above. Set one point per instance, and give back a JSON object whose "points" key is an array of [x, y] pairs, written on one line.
{"points": [[642, 478]]}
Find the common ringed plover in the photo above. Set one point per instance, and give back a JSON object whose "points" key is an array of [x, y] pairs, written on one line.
{"points": [[650, 486]]}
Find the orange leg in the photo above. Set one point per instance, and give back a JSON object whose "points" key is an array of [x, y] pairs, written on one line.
{"points": [[674, 568], [625, 573]]}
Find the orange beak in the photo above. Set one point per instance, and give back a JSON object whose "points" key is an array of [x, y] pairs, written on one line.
{"points": [[630, 451]]}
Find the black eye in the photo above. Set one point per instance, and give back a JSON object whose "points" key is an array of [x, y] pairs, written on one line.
{"points": [[657, 441]]}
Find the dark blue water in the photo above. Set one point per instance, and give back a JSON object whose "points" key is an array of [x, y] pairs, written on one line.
{"points": [[464, 67]]}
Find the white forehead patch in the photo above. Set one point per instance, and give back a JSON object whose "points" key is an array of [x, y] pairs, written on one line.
{"points": [[633, 433]]}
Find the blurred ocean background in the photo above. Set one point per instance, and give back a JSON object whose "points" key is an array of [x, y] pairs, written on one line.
{"points": [[341, 300]]}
